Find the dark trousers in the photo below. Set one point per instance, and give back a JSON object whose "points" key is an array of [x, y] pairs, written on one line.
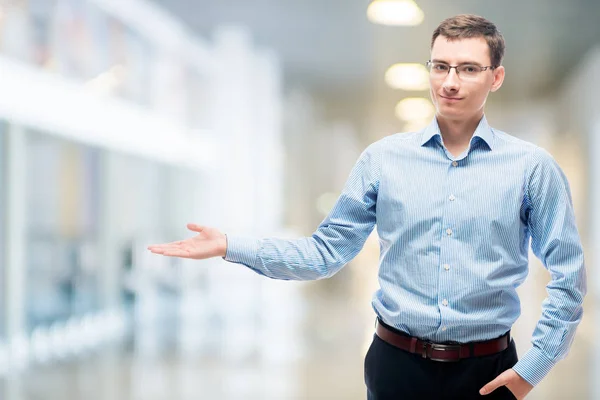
{"points": [[393, 374]]}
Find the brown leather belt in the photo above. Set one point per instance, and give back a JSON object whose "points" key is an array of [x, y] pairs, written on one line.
{"points": [[442, 352]]}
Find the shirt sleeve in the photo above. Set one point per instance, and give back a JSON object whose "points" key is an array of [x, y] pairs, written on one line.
{"points": [[337, 240], [555, 241]]}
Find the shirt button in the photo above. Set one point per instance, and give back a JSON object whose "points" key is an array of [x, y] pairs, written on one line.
{"points": [[446, 267], [449, 231], [454, 164], [451, 198], [445, 302], [444, 328]]}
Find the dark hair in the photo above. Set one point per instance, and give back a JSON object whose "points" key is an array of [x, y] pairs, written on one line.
{"points": [[471, 26]]}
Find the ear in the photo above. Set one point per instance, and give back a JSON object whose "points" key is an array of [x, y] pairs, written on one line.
{"points": [[498, 78]]}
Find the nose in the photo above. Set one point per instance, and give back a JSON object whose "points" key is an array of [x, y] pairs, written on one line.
{"points": [[451, 83]]}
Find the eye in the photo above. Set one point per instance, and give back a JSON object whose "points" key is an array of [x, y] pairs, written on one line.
{"points": [[440, 67], [470, 69]]}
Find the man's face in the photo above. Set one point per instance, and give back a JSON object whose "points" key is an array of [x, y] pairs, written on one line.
{"points": [[456, 97]]}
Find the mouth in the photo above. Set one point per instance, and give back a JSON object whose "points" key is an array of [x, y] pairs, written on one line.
{"points": [[451, 99]]}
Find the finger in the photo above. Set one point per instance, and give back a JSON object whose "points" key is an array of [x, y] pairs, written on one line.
{"points": [[177, 253], [195, 227], [157, 249], [160, 250], [167, 248], [166, 244], [493, 385]]}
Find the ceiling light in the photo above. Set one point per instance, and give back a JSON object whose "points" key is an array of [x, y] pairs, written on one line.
{"points": [[414, 108], [407, 77], [395, 12]]}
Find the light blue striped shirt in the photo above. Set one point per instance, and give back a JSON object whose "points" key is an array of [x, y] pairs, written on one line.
{"points": [[454, 236]]}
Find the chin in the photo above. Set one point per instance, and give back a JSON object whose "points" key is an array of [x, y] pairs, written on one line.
{"points": [[450, 112]]}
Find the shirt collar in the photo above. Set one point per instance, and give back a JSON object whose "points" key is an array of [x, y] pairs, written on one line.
{"points": [[483, 132]]}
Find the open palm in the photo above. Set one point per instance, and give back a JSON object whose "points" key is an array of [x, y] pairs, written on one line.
{"points": [[209, 242]]}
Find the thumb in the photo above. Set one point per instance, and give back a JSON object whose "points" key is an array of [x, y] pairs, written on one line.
{"points": [[493, 385], [195, 227]]}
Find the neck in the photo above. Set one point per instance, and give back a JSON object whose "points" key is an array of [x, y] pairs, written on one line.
{"points": [[458, 132]]}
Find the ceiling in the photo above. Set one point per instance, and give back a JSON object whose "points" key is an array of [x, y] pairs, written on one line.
{"points": [[330, 48]]}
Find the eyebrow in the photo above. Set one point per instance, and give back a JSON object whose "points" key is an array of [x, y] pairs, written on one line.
{"points": [[435, 60]]}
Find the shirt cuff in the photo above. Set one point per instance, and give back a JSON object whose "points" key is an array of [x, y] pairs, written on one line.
{"points": [[242, 250], [533, 366]]}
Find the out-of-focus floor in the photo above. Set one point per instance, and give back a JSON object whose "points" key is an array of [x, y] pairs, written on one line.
{"points": [[336, 329]]}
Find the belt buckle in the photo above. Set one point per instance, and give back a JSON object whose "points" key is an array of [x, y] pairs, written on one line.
{"points": [[441, 347]]}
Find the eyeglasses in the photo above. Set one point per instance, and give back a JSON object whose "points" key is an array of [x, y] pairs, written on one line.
{"points": [[464, 71]]}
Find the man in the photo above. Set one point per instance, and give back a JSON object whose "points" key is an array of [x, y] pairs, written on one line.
{"points": [[455, 206]]}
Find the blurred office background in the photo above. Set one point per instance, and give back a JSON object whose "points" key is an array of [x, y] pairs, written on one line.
{"points": [[122, 120]]}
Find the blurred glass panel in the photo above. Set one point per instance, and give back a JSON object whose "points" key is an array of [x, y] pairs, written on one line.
{"points": [[198, 99], [15, 29], [3, 126], [77, 40], [62, 228]]}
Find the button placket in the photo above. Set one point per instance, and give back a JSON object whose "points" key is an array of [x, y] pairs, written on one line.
{"points": [[449, 227]]}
